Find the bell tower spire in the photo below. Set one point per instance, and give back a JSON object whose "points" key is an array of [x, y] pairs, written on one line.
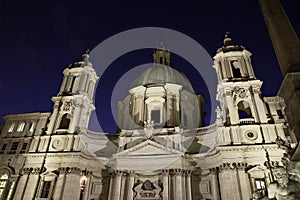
{"points": [[74, 101], [238, 88], [244, 117], [161, 55], [233, 62]]}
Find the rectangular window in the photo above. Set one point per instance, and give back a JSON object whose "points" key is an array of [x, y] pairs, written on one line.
{"points": [[280, 114], [45, 189], [260, 184], [11, 128], [13, 148], [24, 147], [155, 116], [31, 127], [2, 150], [21, 127]]}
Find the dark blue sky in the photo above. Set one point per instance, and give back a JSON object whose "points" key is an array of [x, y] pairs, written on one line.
{"points": [[38, 39]]}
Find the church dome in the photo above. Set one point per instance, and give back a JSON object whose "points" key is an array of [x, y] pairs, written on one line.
{"points": [[162, 74]]}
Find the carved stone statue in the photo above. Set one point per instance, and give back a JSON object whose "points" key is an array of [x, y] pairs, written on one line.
{"points": [[285, 188], [148, 128]]}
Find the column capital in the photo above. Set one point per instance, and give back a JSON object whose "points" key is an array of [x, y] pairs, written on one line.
{"points": [[130, 173], [188, 172], [232, 166], [69, 170], [118, 172], [178, 171], [31, 170]]}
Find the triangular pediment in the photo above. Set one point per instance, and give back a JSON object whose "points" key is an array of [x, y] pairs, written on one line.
{"points": [[148, 148]]}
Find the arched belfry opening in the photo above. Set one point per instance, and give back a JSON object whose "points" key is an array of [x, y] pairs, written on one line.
{"points": [[64, 122], [236, 69], [162, 56], [244, 110]]}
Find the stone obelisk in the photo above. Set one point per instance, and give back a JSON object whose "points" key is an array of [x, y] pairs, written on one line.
{"points": [[287, 48]]}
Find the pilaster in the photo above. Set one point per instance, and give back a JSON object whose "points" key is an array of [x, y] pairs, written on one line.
{"points": [[71, 189]]}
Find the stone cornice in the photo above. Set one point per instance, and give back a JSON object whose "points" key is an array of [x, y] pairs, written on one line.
{"points": [[148, 143], [26, 116]]}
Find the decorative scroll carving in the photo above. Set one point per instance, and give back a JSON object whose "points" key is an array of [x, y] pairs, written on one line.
{"points": [[67, 106], [241, 92]]}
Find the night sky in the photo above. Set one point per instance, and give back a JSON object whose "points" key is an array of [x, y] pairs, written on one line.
{"points": [[38, 39]]}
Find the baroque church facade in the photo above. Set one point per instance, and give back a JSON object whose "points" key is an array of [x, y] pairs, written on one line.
{"points": [[163, 151]]}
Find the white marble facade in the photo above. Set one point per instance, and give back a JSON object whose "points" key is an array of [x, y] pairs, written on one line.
{"points": [[162, 151]]}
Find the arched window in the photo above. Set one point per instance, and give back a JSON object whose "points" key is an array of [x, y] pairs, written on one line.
{"points": [[6, 187], [64, 122], [3, 184], [236, 69], [244, 110]]}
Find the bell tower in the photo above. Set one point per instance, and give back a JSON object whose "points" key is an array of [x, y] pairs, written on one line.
{"points": [[74, 102], [238, 89]]}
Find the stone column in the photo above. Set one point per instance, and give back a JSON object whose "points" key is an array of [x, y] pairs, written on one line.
{"points": [[178, 184], [233, 114], [260, 112], [165, 177], [111, 181], [62, 87], [130, 185], [21, 185], [53, 118], [188, 185], [215, 189], [117, 185], [183, 185], [123, 184]]}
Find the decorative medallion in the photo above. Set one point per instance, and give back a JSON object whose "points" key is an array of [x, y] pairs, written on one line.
{"points": [[251, 135], [58, 144]]}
